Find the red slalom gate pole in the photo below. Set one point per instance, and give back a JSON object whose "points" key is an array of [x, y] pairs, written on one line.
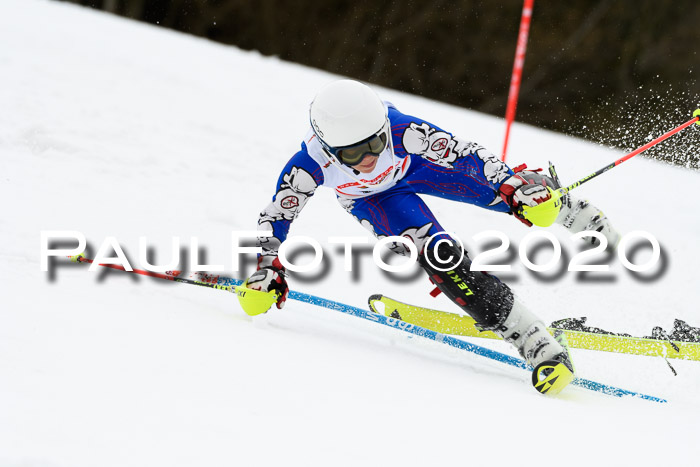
{"points": [[517, 74]]}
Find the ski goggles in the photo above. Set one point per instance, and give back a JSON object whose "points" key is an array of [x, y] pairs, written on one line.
{"points": [[353, 155]]}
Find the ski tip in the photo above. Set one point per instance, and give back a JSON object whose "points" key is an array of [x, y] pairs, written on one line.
{"points": [[374, 298], [696, 114]]}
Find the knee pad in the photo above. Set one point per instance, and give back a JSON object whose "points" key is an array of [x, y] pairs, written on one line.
{"points": [[483, 296]]}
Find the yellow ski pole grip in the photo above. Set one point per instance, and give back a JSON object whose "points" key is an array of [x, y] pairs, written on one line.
{"points": [[255, 302], [77, 258], [544, 214]]}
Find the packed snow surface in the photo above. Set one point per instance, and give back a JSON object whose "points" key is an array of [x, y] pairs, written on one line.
{"points": [[118, 129]]}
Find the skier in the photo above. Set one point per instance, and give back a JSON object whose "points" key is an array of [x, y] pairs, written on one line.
{"points": [[378, 160]]}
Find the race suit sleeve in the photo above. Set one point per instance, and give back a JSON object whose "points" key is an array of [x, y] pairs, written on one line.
{"points": [[296, 184], [415, 136]]}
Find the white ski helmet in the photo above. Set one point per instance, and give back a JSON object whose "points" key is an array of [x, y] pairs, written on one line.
{"points": [[346, 112]]}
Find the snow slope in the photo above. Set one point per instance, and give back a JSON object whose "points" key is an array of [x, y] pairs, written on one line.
{"points": [[116, 128]]}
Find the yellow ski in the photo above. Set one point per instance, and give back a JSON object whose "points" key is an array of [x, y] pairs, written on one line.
{"points": [[458, 325]]}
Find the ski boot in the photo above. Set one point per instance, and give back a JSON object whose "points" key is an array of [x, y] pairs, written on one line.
{"points": [[549, 355], [578, 215], [551, 376]]}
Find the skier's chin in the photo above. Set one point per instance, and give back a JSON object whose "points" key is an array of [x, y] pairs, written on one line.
{"points": [[365, 169]]}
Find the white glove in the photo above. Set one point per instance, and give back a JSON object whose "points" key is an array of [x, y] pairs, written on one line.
{"points": [[518, 192]]}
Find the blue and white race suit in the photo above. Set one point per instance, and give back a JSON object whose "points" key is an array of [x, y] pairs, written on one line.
{"points": [[428, 161]]}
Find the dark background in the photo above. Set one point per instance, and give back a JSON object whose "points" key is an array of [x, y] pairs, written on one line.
{"points": [[617, 72]]}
